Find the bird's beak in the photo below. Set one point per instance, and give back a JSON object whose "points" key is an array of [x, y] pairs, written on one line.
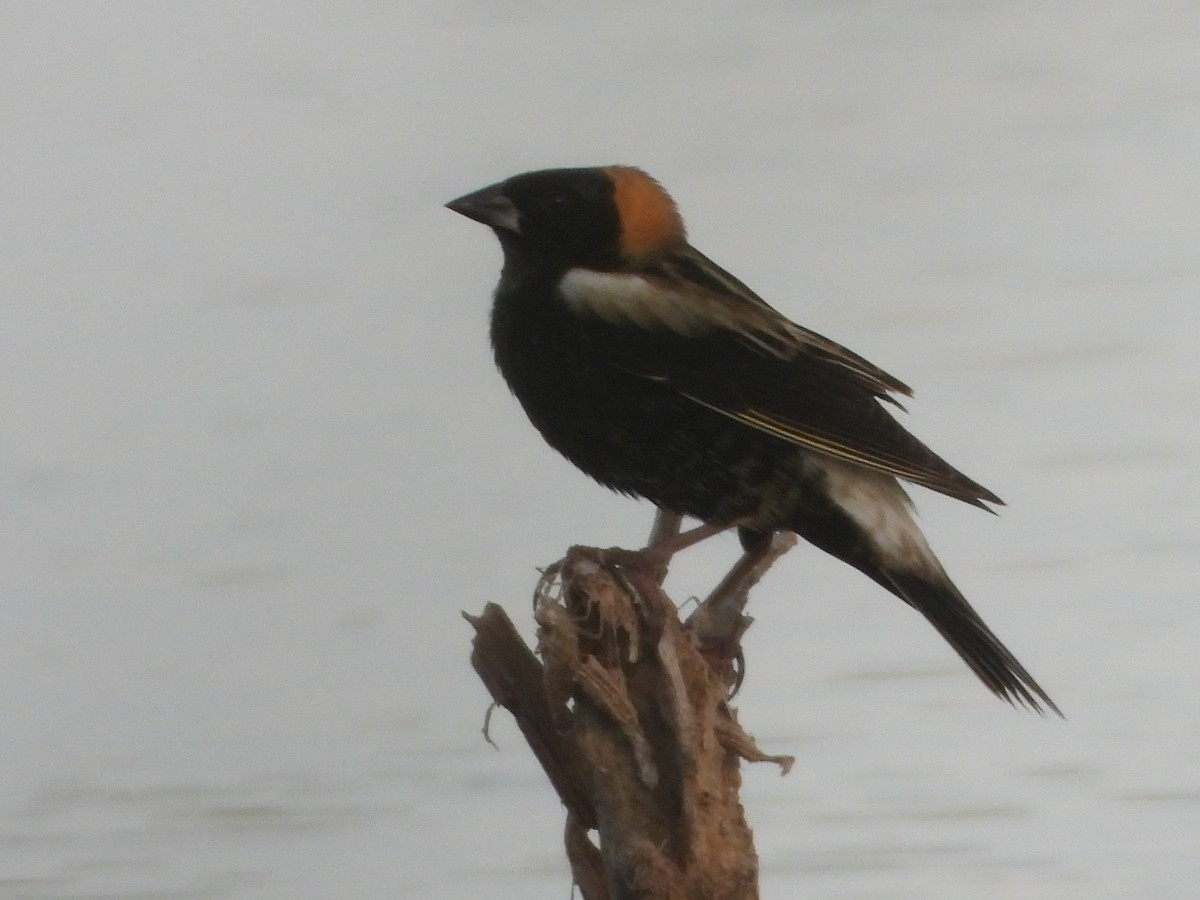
{"points": [[489, 206]]}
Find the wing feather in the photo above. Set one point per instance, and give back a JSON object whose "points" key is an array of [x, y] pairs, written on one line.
{"points": [[686, 323]]}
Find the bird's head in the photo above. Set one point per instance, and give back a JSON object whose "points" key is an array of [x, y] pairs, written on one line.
{"points": [[597, 218]]}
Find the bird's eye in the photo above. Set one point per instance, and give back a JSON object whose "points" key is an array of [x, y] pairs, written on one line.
{"points": [[556, 204]]}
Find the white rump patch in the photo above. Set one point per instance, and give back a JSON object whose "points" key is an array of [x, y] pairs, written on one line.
{"points": [[631, 299], [877, 503]]}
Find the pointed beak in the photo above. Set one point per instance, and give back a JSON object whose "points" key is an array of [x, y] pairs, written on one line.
{"points": [[489, 206]]}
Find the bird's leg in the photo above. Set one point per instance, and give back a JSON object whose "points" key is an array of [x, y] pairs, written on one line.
{"points": [[681, 540], [665, 541], [665, 528], [671, 540], [719, 617]]}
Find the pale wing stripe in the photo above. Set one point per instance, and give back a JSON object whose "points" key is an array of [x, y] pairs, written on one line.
{"points": [[631, 299], [836, 449], [628, 299]]}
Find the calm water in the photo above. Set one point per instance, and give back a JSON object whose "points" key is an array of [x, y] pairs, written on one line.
{"points": [[254, 458]]}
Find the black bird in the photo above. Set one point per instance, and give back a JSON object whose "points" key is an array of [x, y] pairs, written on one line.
{"points": [[662, 376]]}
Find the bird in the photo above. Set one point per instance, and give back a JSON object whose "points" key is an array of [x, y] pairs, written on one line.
{"points": [[662, 376]]}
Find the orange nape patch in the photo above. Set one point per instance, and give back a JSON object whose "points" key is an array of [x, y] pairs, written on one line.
{"points": [[650, 223]]}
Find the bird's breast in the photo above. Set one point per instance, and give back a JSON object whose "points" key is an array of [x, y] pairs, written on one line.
{"points": [[634, 434]]}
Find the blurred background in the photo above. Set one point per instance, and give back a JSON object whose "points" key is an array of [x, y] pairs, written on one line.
{"points": [[255, 458]]}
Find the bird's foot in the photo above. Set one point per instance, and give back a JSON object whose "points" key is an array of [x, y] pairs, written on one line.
{"points": [[666, 540], [719, 618]]}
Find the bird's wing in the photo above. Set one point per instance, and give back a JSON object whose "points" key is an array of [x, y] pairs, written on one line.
{"points": [[687, 324]]}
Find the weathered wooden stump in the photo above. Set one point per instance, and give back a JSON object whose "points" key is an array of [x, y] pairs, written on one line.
{"points": [[628, 713]]}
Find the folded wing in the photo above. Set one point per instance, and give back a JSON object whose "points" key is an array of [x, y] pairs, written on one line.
{"points": [[688, 325]]}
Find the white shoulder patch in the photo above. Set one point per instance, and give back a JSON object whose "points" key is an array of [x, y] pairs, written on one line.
{"points": [[631, 299]]}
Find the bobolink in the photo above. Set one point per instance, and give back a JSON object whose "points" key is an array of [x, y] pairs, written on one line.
{"points": [[662, 376]]}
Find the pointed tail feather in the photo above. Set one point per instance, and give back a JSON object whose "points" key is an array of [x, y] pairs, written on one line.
{"points": [[948, 611], [865, 519]]}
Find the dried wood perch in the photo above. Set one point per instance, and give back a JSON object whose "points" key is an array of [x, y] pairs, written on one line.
{"points": [[628, 714]]}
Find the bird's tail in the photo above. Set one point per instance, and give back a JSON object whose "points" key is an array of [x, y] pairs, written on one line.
{"points": [[864, 518], [939, 601]]}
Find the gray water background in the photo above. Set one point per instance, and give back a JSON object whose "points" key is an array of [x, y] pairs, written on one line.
{"points": [[254, 457]]}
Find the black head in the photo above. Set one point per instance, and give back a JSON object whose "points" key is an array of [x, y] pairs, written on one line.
{"points": [[576, 217]]}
